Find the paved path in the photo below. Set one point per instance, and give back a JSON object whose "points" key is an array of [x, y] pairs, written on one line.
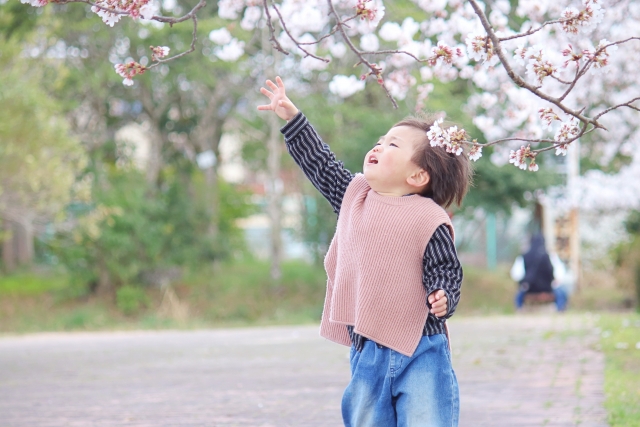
{"points": [[514, 371]]}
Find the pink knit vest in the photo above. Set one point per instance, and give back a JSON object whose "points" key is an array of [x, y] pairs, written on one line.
{"points": [[374, 267]]}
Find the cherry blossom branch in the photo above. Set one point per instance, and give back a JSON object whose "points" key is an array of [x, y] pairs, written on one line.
{"points": [[286, 30], [272, 32], [582, 71], [532, 31], [516, 78], [387, 52], [194, 38], [626, 104], [375, 70], [190, 15]]}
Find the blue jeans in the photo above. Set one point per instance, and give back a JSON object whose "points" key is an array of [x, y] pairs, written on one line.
{"points": [[389, 389]]}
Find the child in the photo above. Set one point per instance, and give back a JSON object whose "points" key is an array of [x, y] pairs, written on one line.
{"points": [[393, 273]]}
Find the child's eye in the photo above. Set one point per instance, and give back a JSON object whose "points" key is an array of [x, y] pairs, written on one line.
{"points": [[393, 145]]}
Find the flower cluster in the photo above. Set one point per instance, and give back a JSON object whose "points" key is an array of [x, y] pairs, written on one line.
{"points": [[479, 47], [476, 152], [376, 71], [572, 56], [158, 52], [35, 3], [129, 71], [111, 10], [451, 139], [548, 116], [365, 10], [443, 53], [565, 135], [538, 67], [519, 158], [600, 57], [585, 20]]}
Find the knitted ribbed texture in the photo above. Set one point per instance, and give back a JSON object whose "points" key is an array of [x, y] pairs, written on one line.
{"points": [[374, 267]]}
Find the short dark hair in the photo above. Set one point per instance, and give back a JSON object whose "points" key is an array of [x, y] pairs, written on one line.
{"points": [[450, 174]]}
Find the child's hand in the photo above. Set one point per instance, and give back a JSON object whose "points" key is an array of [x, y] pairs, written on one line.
{"points": [[280, 104], [438, 301]]}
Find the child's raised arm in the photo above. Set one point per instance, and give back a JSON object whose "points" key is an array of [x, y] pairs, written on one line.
{"points": [[306, 147]]}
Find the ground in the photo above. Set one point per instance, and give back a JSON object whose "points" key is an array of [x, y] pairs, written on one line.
{"points": [[525, 370]]}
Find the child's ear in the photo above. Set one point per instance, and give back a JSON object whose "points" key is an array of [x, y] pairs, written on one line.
{"points": [[419, 178]]}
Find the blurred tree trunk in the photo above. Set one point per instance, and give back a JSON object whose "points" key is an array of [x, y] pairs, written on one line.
{"points": [[274, 194], [8, 252], [17, 243], [274, 184], [220, 103], [155, 111]]}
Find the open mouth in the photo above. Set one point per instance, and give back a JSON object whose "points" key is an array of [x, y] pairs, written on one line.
{"points": [[373, 160]]}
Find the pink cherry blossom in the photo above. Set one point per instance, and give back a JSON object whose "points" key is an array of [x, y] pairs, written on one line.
{"points": [[475, 153], [572, 56], [129, 71], [599, 57], [443, 54], [365, 10], [35, 3], [159, 52], [584, 20], [548, 116], [519, 157], [479, 47], [434, 134]]}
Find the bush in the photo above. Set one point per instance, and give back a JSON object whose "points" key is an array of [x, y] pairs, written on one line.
{"points": [[131, 299], [132, 228]]}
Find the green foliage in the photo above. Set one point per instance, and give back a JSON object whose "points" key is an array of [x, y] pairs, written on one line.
{"points": [[242, 291], [130, 299], [31, 284], [38, 158], [621, 344], [498, 188], [130, 229]]}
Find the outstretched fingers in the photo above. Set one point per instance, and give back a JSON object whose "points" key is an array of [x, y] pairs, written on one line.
{"points": [[266, 93], [272, 85]]}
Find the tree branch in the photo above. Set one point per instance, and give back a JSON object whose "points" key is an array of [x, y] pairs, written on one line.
{"points": [[284, 27], [516, 78], [272, 32], [375, 70]]}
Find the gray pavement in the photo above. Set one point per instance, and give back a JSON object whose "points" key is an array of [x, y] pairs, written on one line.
{"points": [[529, 370]]}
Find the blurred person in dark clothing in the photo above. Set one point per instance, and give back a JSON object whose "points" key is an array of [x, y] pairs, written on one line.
{"points": [[538, 272]]}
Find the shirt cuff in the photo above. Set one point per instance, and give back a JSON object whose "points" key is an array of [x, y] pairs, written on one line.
{"points": [[295, 125]]}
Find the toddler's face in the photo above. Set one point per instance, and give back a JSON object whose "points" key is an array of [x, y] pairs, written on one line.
{"points": [[388, 164]]}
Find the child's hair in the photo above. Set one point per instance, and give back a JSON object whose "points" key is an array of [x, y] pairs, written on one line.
{"points": [[450, 174]]}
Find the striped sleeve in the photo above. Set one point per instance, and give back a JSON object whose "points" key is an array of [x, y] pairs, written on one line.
{"points": [[442, 270], [316, 160]]}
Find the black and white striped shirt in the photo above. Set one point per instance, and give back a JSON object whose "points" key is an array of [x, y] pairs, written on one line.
{"points": [[441, 267]]}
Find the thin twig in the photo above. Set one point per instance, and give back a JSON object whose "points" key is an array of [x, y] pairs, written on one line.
{"points": [[286, 30], [531, 31], [363, 60], [626, 104], [272, 32], [194, 36]]}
